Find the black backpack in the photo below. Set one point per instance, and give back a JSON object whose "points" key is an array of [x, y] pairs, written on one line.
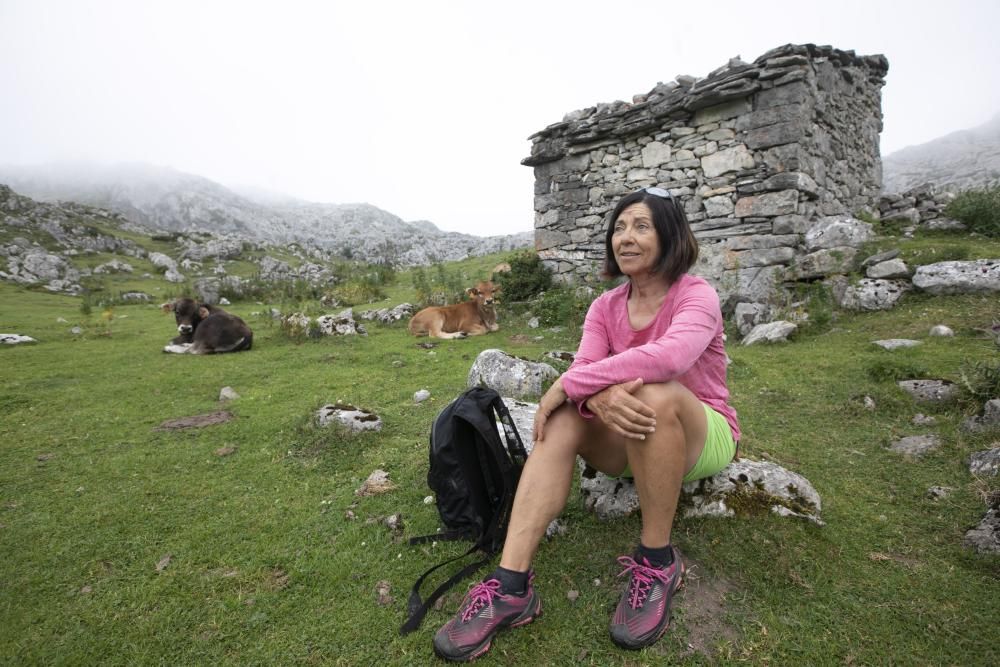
{"points": [[474, 478]]}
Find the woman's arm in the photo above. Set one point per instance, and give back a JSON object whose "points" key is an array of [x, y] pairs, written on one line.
{"points": [[692, 328]]}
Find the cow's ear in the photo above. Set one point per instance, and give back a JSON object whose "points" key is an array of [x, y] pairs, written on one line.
{"points": [[472, 292], [167, 307], [203, 311], [497, 289]]}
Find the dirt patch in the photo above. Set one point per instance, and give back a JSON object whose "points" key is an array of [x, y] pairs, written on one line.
{"points": [[519, 339], [196, 421], [702, 611]]}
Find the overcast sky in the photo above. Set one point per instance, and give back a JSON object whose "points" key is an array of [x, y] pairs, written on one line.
{"points": [[424, 108]]}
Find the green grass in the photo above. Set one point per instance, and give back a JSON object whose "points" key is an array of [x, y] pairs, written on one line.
{"points": [[266, 569]]}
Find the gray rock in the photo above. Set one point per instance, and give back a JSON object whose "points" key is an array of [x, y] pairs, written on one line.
{"points": [[533, 323], [389, 315], [836, 232], [510, 376], [162, 261], [223, 301], [341, 324], [896, 343], [939, 492], [825, 262], [880, 257], [930, 391], [893, 268], [421, 395], [940, 330], [743, 487], [944, 224], [174, 276], [915, 445], [772, 332], [921, 419], [985, 538], [871, 295], [228, 394], [561, 355], [749, 315], [974, 277], [985, 463], [15, 339], [114, 266], [141, 297], [353, 418]]}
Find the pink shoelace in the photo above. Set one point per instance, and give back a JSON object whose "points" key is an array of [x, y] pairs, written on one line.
{"points": [[481, 595], [642, 579]]}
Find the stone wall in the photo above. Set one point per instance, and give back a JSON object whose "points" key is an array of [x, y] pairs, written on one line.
{"points": [[758, 153]]}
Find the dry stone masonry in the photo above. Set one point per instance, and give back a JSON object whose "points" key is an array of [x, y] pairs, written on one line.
{"points": [[762, 155]]}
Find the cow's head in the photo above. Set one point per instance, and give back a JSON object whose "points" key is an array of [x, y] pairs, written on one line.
{"points": [[188, 314], [484, 293]]}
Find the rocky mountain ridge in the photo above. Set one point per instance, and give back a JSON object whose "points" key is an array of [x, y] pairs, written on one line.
{"points": [[163, 199], [957, 161]]}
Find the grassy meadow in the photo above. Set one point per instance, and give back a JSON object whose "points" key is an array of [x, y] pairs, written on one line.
{"points": [[123, 544]]}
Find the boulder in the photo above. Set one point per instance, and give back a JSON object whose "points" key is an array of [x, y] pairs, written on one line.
{"points": [[941, 331], [15, 339], [836, 232], [509, 375], [355, 419], [985, 537], [896, 343], [744, 487], [388, 315], [974, 277], [749, 315], [930, 391], [772, 332], [990, 418], [893, 268], [986, 463], [341, 324], [870, 294], [916, 445]]}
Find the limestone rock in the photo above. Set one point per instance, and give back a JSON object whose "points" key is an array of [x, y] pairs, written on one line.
{"points": [[870, 294], [228, 394], [838, 231], [341, 324], [893, 268], [744, 487], [974, 277], [389, 315], [772, 332], [749, 315], [939, 492], [988, 420], [510, 376], [355, 419], [916, 445], [15, 339], [985, 538], [896, 343], [941, 331], [421, 395], [929, 391], [985, 463]]}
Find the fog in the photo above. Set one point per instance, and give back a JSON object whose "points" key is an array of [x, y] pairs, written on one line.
{"points": [[424, 108]]}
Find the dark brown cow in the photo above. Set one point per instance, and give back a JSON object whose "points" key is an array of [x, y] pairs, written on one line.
{"points": [[469, 318], [205, 329]]}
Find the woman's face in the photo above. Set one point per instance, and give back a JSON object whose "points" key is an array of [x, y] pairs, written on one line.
{"points": [[634, 240]]}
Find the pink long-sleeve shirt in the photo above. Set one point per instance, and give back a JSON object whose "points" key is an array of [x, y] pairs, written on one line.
{"points": [[682, 343]]}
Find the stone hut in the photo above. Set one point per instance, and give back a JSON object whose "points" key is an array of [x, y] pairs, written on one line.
{"points": [[766, 157]]}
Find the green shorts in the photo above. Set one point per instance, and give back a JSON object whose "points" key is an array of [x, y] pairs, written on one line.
{"points": [[720, 448]]}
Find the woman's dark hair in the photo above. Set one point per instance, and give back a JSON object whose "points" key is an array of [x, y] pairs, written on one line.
{"points": [[678, 246]]}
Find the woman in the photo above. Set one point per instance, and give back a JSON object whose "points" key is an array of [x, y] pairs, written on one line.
{"points": [[646, 397]]}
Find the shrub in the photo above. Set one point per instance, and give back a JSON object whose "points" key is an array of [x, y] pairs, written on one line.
{"points": [[980, 380], [527, 277], [561, 306], [358, 291], [891, 370], [979, 210], [439, 288]]}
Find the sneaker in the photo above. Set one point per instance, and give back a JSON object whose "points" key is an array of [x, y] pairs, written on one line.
{"points": [[643, 612], [485, 611]]}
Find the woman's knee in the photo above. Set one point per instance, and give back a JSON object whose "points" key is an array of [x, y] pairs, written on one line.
{"points": [[667, 399]]}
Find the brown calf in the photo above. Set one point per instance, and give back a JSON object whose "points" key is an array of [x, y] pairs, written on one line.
{"points": [[469, 318], [205, 329]]}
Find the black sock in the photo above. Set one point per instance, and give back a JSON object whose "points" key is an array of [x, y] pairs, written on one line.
{"points": [[660, 557], [511, 581]]}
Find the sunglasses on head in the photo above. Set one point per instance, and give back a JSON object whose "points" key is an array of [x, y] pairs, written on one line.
{"points": [[658, 192]]}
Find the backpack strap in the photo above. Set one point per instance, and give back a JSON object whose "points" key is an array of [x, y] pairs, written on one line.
{"points": [[514, 444], [418, 608], [446, 536]]}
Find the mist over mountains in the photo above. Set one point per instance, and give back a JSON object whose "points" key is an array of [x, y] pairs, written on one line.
{"points": [[957, 161], [164, 199]]}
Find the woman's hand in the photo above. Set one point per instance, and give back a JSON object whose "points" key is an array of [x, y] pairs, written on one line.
{"points": [[622, 412], [549, 403]]}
